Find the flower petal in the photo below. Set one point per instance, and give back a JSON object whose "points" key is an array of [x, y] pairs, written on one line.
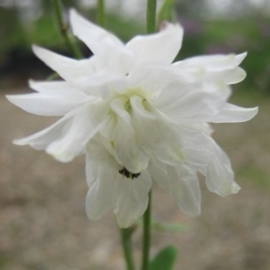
{"points": [[232, 114], [194, 106], [72, 143], [99, 196], [128, 150], [147, 122], [50, 102], [159, 48], [92, 169], [219, 176], [107, 47], [181, 183], [152, 78], [130, 198], [212, 62], [43, 138], [68, 68], [53, 88], [62, 140], [102, 152]]}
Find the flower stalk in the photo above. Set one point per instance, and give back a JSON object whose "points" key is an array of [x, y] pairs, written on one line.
{"points": [[146, 236], [127, 247], [151, 28], [101, 12], [63, 27], [151, 16]]}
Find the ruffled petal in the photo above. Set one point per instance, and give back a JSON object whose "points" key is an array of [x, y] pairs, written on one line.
{"points": [[102, 152], [107, 47], [196, 149], [99, 196], [82, 73], [159, 48], [196, 105], [161, 140], [227, 76], [130, 198], [44, 138], [92, 169], [62, 140], [128, 151], [66, 67], [84, 125], [219, 176], [233, 114], [49, 102], [53, 88], [152, 78], [181, 183], [212, 62]]}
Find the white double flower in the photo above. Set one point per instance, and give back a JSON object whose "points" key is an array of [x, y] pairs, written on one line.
{"points": [[137, 117]]}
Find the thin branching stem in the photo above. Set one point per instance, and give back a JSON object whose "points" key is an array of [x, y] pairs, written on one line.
{"points": [[151, 16], [64, 29], [101, 12]]}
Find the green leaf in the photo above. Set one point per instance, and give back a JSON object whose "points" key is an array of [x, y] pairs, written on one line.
{"points": [[165, 259], [167, 11]]}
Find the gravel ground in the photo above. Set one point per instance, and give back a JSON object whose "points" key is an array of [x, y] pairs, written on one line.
{"points": [[43, 223]]}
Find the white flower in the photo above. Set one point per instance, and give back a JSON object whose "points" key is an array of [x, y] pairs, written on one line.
{"points": [[138, 118]]}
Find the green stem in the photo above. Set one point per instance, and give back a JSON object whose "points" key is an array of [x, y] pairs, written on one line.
{"points": [[101, 12], [151, 28], [146, 236], [151, 16], [74, 50], [127, 247]]}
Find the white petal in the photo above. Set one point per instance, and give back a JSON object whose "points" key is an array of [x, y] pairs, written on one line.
{"points": [[219, 176], [232, 76], [152, 78], [107, 47], [212, 62], [53, 88], [159, 48], [86, 72], [92, 169], [99, 196], [128, 150], [185, 189], [227, 76], [102, 152], [195, 106], [67, 138], [42, 139], [76, 135], [196, 149], [50, 102], [154, 135], [130, 198], [68, 68], [181, 183], [233, 114]]}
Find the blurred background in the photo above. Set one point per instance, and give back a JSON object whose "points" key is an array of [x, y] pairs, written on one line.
{"points": [[42, 218]]}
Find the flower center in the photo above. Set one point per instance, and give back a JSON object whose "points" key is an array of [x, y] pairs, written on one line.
{"points": [[128, 174]]}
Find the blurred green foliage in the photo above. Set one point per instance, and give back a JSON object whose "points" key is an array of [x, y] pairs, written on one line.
{"points": [[251, 34]]}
